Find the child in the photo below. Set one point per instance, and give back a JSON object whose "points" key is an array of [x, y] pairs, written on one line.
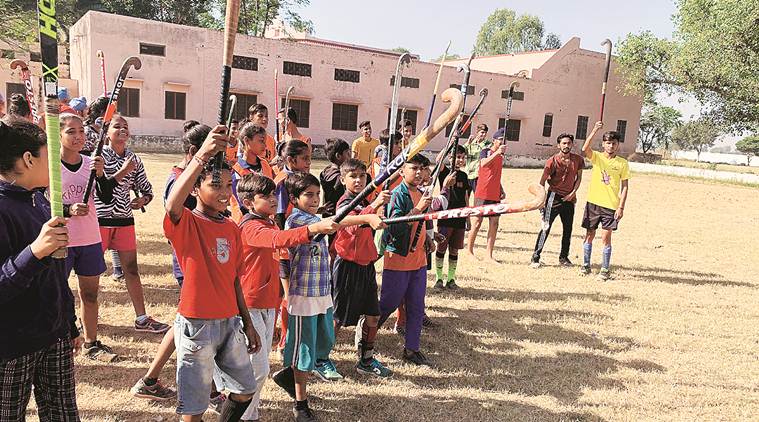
{"points": [[19, 107], [474, 147], [488, 190], [405, 273], [91, 127], [37, 312], [363, 147], [408, 132], [563, 172], [290, 127], [231, 152], [85, 252], [210, 341], [261, 283], [455, 186], [607, 196], [355, 280], [116, 220], [258, 114], [378, 164], [253, 138], [338, 151]]}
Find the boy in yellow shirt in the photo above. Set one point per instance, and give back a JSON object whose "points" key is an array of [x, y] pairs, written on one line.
{"points": [[363, 147], [607, 196]]}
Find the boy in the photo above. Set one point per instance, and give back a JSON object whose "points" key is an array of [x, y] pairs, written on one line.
{"points": [[474, 147], [258, 114], [290, 130], [209, 338], [261, 283], [607, 196], [363, 147], [408, 132], [456, 188], [354, 275], [405, 273], [563, 172], [488, 190], [232, 149], [338, 151]]}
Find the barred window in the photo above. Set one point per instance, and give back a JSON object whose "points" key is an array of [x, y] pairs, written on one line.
{"points": [[406, 82], [244, 101], [622, 129], [129, 102], [513, 128], [245, 63], [344, 117], [518, 95], [175, 105], [582, 127], [347, 75], [469, 88], [547, 125], [298, 69], [302, 110], [152, 49]]}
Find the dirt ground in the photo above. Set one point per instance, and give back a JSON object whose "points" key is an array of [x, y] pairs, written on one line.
{"points": [[672, 337]]}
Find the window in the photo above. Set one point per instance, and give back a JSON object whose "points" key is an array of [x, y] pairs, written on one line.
{"points": [[469, 88], [35, 56], [621, 128], [245, 63], [582, 127], [14, 88], [518, 95], [512, 129], [129, 102], [298, 69], [406, 82], [302, 110], [152, 49], [344, 117], [547, 125], [244, 101], [347, 75], [175, 105], [410, 115], [466, 134]]}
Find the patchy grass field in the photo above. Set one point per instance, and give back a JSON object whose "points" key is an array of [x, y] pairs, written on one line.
{"points": [[672, 337]]}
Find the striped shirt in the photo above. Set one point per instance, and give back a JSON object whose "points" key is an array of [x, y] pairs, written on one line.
{"points": [[119, 212], [310, 270]]}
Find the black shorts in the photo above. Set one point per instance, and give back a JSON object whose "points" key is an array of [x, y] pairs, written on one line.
{"points": [[596, 214], [355, 291], [480, 202], [473, 184]]}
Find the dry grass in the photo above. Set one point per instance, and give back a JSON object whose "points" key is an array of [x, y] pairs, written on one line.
{"points": [[673, 337], [710, 166]]}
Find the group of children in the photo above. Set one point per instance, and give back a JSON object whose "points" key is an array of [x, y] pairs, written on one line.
{"points": [[244, 253]]}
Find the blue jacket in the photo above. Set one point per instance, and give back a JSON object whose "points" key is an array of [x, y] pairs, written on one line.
{"points": [[36, 304]]}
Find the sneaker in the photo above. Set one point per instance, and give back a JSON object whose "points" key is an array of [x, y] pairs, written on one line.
{"points": [[118, 277], [535, 264], [151, 326], [400, 330], [451, 284], [604, 274], [439, 284], [427, 322], [417, 358], [285, 379], [99, 351], [565, 262], [217, 402], [304, 415], [585, 270], [327, 371], [153, 392], [374, 367]]}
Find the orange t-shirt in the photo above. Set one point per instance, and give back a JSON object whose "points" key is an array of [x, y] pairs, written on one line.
{"points": [[210, 256], [231, 154], [271, 148], [414, 260]]}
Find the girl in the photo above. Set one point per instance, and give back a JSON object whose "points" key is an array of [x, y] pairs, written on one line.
{"points": [[85, 253], [36, 305], [253, 141], [116, 219]]}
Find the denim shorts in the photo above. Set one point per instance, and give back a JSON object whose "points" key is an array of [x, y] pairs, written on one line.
{"points": [[210, 349]]}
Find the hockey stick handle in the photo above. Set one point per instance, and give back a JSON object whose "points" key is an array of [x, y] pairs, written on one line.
{"points": [[539, 196], [608, 45], [231, 20], [452, 96], [437, 85]]}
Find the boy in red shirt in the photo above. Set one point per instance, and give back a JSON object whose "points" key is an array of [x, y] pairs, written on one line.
{"points": [[261, 283], [489, 190], [208, 332]]}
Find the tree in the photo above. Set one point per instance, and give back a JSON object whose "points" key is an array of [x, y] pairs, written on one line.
{"points": [[656, 124], [504, 33], [696, 135], [448, 57], [713, 55], [749, 146], [400, 50]]}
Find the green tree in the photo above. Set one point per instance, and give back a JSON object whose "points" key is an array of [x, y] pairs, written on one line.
{"points": [[400, 50], [257, 15], [656, 125], [449, 56], [504, 33], [697, 135], [748, 146], [713, 55]]}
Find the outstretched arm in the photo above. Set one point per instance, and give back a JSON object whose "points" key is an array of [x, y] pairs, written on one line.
{"points": [[586, 150]]}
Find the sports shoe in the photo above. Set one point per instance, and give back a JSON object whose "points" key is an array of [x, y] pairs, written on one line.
{"points": [[585, 270], [565, 262], [304, 415], [535, 264], [374, 367], [151, 326], [415, 357], [439, 284], [153, 392], [285, 379], [427, 322], [327, 371], [400, 330], [216, 403], [99, 351], [604, 274], [118, 277], [451, 284]]}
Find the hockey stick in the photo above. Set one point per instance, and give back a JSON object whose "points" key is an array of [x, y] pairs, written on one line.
{"points": [[101, 56], [607, 43], [48, 28], [509, 100], [276, 113], [405, 59], [545, 221], [452, 96], [285, 117], [130, 62], [539, 196], [437, 85], [230, 116], [230, 31], [26, 76]]}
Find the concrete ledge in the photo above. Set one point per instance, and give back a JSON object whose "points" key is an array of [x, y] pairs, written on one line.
{"points": [[726, 176]]}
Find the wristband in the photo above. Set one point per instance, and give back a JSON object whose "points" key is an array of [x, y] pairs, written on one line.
{"points": [[199, 160]]}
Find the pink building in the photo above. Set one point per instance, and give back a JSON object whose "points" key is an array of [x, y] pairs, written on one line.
{"points": [[338, 85]]}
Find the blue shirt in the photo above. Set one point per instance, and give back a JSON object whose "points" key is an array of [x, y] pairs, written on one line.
{"points": [[310, 273]]}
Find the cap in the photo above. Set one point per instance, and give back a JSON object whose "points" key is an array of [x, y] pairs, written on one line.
{"points": [[63, 94], [500, 133], [78, 103]]}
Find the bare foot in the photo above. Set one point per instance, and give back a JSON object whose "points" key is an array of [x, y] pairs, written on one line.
{"points": [[470, 253], [493, 260]]}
